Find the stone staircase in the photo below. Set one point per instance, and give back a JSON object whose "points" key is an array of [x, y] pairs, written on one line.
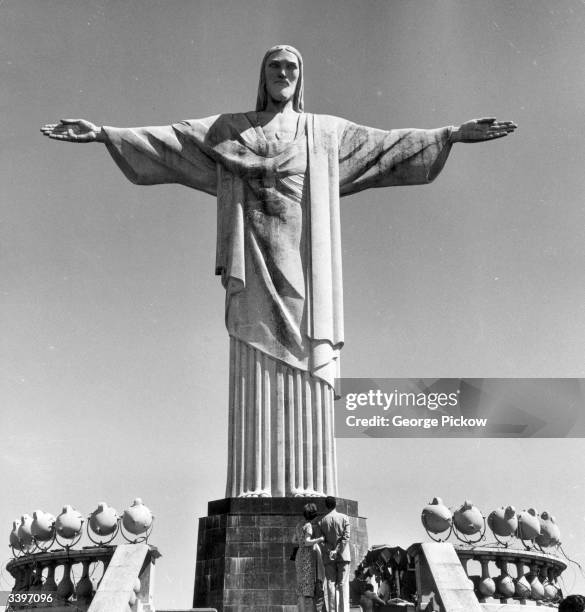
{"points": [[445, 584]]}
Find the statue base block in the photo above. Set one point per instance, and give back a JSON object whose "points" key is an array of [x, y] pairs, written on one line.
{"points": [[244, 547]]}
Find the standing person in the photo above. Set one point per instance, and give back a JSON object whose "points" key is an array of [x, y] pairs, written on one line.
{"points": [[278, 174], [307, 559], [336, 557]]}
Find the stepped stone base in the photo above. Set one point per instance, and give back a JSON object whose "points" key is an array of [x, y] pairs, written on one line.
{"points": [[244, 547]]}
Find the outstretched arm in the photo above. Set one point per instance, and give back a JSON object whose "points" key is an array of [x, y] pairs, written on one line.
{"points": [[479, 130], [369, 157], [152, 155], [74, 130]]}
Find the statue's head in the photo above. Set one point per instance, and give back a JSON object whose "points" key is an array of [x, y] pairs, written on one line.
{"points": [[281, 77]]}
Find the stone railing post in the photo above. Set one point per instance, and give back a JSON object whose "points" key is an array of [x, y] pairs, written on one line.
{"points": [[36, 579], [534, 580]]}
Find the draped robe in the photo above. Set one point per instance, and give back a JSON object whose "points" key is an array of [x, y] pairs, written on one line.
{"points": [[279, 258]]}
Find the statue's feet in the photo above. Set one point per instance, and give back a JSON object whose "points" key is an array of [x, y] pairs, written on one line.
{"points": [[256, 493], [307, 493]]}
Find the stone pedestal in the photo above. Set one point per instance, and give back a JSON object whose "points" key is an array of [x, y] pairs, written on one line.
{"points": [[244, 547]]}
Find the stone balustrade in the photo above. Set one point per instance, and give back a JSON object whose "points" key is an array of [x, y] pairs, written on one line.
{"points": [[509, 575], [440, 576], [51, 576], [92, 579]]}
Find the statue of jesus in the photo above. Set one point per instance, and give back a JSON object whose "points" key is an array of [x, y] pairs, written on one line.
{"points": [[278, 174]]}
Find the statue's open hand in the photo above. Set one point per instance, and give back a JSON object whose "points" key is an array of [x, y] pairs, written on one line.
{"points": [[73, 130], [479, 130]]}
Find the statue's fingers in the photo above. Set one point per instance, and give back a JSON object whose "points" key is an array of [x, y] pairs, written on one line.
{"points": [[497, 127], [509, 126], [56, 130], [486, 120], [505, 124], [64, 133], [67, 121]]}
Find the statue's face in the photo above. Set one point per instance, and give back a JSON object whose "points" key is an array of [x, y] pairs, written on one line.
{"points": [[282, 75]]}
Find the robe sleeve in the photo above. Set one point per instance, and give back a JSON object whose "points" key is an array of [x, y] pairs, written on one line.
{"points": [[369, 157], [165, 154]]}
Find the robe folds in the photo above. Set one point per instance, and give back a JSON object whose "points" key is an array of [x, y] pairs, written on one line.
{"points": [[279, 257]]}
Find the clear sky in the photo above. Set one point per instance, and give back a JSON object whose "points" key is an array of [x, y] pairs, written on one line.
{"points": [[113, 358]]}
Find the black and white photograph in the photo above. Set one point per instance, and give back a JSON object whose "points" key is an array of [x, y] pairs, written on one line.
{"points": [[292, 307]]}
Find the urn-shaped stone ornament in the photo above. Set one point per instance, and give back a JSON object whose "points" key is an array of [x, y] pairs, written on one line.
{"points": [[523, 589], [14, 539], [436, 517], [505, 586], [550, 534], [536, 587], [503, 521], [138, 518], [528, 524], [487, 585], [103, 520], [504, 582], [24, 530], [550, 590], [68, 524], [468, 519], [43, 526]]}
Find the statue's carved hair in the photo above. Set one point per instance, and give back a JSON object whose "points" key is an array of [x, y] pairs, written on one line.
{"points": [[262, 99]]}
